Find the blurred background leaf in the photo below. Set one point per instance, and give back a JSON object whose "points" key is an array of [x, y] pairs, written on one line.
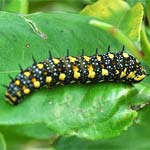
{"points": [[2, 142], [18, 6], [137, 137], [31, 6]]}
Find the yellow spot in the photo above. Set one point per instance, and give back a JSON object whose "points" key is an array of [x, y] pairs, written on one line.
{"points": [[131, 75], [91, 74], [23, 87], [27, 73], [72, 59], [143, 69], [11, 97], [62, 76], [17, 82], [45, 73], [48, 79], [111, 56], [14, 99], [19, 94], [137, 60], [36, 84], [76, 75], [125, 55], [87, 58], [104, 72], [117, 72], [123, 73], [102, 66], [90, 68], [7, 94], [26, 91], [75, 68], [98, 58], [56, 61], [139, 78], [40, 66], [33, 79]]}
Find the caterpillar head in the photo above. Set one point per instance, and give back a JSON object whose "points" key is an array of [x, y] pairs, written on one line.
{"points": [[133, 71], [138, 75]]}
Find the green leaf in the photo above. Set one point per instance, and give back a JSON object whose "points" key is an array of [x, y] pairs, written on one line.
{"points": [[17, 141], [94, 116], [92, 111], [131, 23], [2, 142], [36, 131], [137, 137], [119, 14], [143, 95], [110, 11], [147, 11], [18, 6], [133, 2]]}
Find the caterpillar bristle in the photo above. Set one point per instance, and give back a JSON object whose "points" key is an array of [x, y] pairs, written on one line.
{"points": [[50, 54], [108, 49], [20, 67], [82, 52], [147, 74], [34, 60], [67, 52], [123, 49], [5, 86], [11, 78], [96, 52]]}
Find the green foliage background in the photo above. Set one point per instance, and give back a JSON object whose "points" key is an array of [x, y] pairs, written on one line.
{"points": [[93, 116]]}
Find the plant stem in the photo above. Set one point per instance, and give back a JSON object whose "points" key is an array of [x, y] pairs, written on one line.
{"points": [[118, 34], [145, 44]]}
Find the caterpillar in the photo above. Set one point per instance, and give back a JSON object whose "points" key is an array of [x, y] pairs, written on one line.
{"points": [[117, 67]]}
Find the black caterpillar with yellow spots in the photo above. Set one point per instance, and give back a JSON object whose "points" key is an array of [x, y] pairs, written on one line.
{"points": [[117, 67]]}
